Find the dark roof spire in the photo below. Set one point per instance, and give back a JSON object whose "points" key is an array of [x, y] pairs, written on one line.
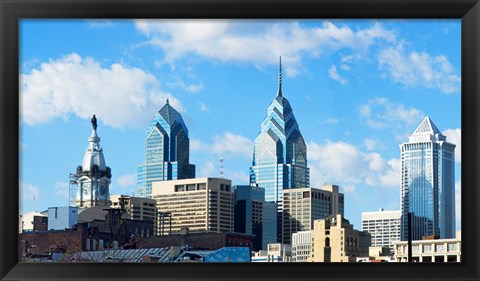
{"points": [[280, 78], [168, 101]]}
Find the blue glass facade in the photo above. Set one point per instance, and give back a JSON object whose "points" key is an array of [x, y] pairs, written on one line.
{"points": [[166, 151], [428, 183], [255, 216], [280, 153]]}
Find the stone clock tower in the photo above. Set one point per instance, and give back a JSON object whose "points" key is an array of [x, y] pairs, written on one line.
{"points": [[93, 177]]}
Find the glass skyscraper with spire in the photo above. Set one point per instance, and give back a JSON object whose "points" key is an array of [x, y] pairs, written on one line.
{"points": [[280, 154], [428, 183], [167, 149]]}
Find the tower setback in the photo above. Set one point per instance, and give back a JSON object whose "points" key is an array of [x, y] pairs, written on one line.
{"points": [[428, 183], [166, 151]]}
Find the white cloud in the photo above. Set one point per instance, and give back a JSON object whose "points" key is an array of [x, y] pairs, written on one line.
{"points": [[333, 121], [392, 176], [372, 144], [413, 69], [229, 144], [198, 146], [257, 42], [455, 136], [237, 177], [207, 169], [127, 180], [334, 75], [203, 107], [189, 88], [380, 113], [344, 164], [29, 191], [119, 95]]}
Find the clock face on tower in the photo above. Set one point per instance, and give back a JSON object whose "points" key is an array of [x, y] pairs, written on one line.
{"points": [[102, 190]]}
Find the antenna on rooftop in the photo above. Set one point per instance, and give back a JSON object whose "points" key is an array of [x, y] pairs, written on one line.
{"points": [[221, 167]]}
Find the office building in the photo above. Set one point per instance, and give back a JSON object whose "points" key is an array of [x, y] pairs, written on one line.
{"points": [[301, 206], [200, 204], [276, 252], [384, 226], [280, 153], [301, 246], [93, 177], [252, 215], [136, 208], [167, 151], [428, 183], [431, 250], [335, 240]]}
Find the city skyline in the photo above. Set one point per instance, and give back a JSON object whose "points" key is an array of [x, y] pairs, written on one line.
{"points": [[358, 90]]}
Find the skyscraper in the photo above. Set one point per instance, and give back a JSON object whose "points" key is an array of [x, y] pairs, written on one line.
{"points": [[428, 183], [301, 206], [166, 151], [93, 176], [255, 216], [280, 154]]}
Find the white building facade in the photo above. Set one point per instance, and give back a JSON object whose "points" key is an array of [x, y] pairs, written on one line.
{"points": [[301, 246], [383, 226], [435, 250]]}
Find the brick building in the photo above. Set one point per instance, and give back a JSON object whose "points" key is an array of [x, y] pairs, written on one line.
{"points": [[198, 240]]}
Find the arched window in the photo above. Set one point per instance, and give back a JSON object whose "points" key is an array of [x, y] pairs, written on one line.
{"points": [[327, 242]]}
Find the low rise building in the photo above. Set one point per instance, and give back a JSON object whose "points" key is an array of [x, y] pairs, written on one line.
{"points": [[27, 220], [197, 240], [335, 240], [276, 252], [60, 218], [301, 246], [430, 250]]}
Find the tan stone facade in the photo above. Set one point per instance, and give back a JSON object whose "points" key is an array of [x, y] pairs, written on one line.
{"points": [[201, 204], [335, 240]]}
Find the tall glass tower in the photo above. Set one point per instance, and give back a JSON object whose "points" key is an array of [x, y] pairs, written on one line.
{"points": [[280, 154], [428, 183], [166, 151]]}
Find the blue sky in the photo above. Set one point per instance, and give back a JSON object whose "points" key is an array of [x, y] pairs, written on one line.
{"points": [[358, 88]]}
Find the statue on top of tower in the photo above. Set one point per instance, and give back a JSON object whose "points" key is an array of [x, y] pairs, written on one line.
{"points": [[94, 122]]}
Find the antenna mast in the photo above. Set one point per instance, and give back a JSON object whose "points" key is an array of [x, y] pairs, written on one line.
{"points": [[221, 167]]}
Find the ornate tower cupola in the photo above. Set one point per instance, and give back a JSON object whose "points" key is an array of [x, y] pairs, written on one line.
{"points": [[93, 176]]}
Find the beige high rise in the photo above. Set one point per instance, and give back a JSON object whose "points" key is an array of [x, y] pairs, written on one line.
{"points": [[200, 204]]}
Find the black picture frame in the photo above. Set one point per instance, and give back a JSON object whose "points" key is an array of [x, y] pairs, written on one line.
{"points": [[11, 11]]}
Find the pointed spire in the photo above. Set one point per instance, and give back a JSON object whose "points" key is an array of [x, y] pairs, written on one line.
{"points": [[168, 101], [280, 78], [426, 127]]}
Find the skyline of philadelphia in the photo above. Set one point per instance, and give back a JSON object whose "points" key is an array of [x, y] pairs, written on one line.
{"points": [[358, 89]]}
